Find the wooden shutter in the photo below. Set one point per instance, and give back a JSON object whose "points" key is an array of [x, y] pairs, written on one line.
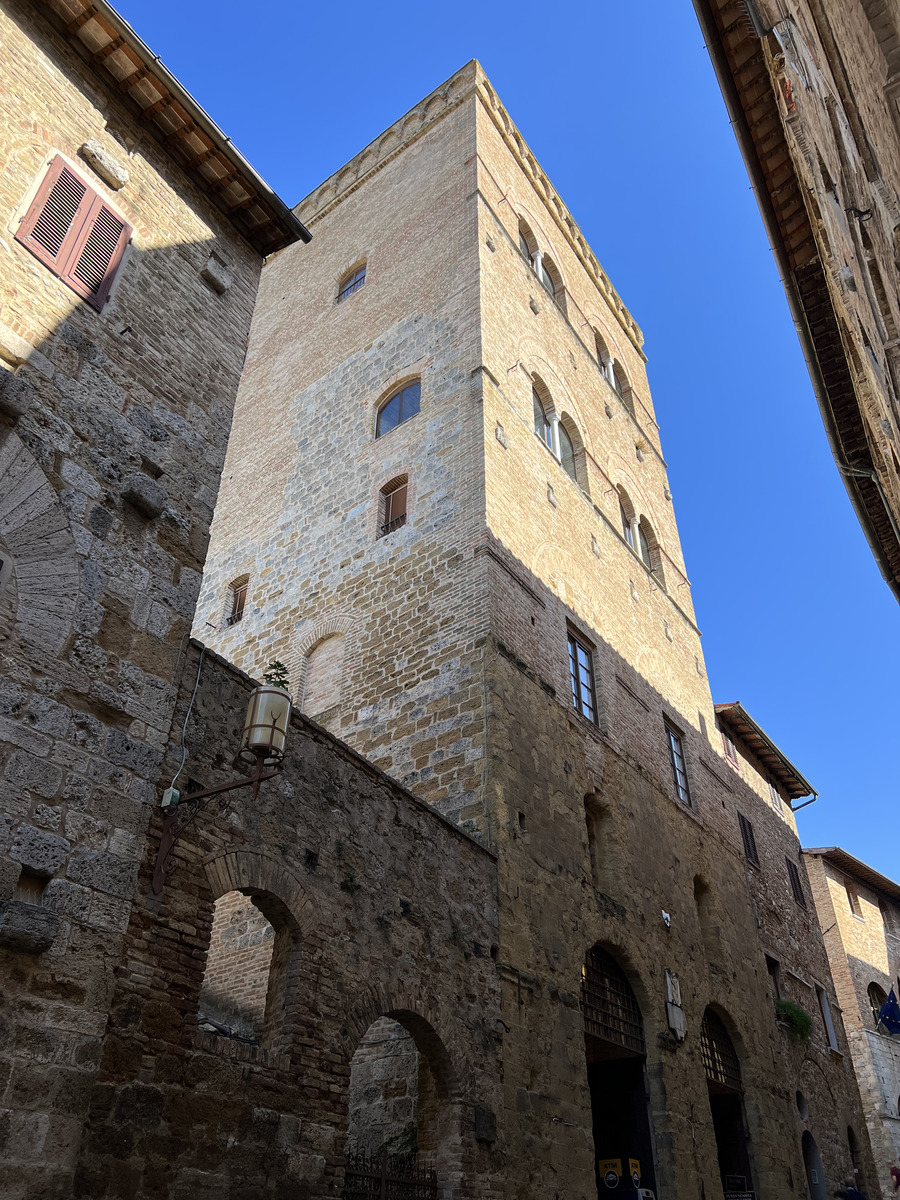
{"points": [[796, 885], [749, 840], [74, 233]]}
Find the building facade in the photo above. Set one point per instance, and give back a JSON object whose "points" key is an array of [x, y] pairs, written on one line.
{"points": [[812, 90], [445, 508], [132, 239], [859, 909]]}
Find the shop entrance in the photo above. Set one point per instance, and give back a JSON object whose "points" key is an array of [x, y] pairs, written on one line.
{"points": [[726, 1103], [616, 1057]]}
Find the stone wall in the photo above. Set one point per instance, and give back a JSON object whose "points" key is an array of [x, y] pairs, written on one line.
{"points": [[367, 889], [384, 1085], [113, 427]]}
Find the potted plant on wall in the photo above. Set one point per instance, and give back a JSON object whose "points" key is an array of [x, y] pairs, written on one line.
{"points": [[795, 1019]]}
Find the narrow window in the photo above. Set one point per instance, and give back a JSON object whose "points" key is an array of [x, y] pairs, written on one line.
{"points": [[750, 852], [728, 744], [567, 453], [237, 600], [351, 283], [541, 423], [619, 380], [527, 244], [853, 900], [625, 517], [581, 673], [773, 967], [604, 362], [644, 548], [796, 883], [75, 234], [877, 997], [678, 765], [393, 505], [399, 408], [825, 1009], [773, 795]]}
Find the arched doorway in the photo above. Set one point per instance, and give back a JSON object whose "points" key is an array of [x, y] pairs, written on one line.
{"points": [[616, 1058], [812, 1161], [726, 1103], [402, 1132]]}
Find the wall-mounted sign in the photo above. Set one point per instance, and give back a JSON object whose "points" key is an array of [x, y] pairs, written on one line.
{"points": [[634, 1170], [610, 1171]]}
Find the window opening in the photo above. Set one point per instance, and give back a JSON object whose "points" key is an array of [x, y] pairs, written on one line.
{"points": [[581, 674], [323, 679], [238, 600], [644, 548], [728, 743], [604, 362], [853, 900], [567, 453], [825, 1010], [773, 795], [74, 233], [235, 985], [627, 529], [352, 283], [796, 882], [678, 764], [399, 408], [393, 505], [616, 1069], [527, 244], [749, 840], [815, 1172], [877, 997], [541, 423], [726, 1103], [774, 969]]}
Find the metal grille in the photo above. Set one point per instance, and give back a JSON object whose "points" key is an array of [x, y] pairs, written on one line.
{"points": [[367, 1176], [719, 1057], [610, 1010]]}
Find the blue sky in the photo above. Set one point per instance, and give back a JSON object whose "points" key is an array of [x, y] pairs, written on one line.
{"points": [[619, 104]]}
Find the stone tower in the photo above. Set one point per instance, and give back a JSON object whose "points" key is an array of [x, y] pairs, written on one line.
{"points": [[445, 507]]}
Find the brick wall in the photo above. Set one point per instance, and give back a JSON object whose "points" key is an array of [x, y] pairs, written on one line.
{"points": [[384, 1084], [237, 966]]}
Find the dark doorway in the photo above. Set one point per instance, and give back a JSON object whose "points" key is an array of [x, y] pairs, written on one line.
{"points": [[726, 1104], [614, 1047], [815, 1174]]}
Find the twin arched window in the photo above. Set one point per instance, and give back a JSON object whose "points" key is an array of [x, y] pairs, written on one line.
{"points": [[542, 265], [638, 533], [553, 433], [399, 407]]}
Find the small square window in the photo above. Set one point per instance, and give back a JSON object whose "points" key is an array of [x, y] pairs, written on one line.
{"points": [[581, 674], [677, 762]]}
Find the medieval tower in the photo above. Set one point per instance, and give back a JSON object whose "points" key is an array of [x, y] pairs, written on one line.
{"points": [[445, 508]]}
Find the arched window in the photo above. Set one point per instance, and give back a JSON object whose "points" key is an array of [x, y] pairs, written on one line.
{"points": [[649, 550], [620, 382], [393, 505], [567, 453], [237, 599], [552, 280], [323, 679], [399, 407], [877, 997], [541, 421], [626, 516], [351, 282], [527, 243], [604, 359]]}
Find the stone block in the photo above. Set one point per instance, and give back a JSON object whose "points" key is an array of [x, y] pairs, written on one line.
{"points": [[43, 853], [105, 164], [103, 872], [217, 275], [27, 928], [145, 494]]}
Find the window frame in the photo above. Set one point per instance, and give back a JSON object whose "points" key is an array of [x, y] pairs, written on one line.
{"points": [[575, 642], [796, 882], [79, 228], [238, 591], [400, 392], [827, 1020], [351, 282], [748, 837], [389, 520], [675, 750], [728, 745]]}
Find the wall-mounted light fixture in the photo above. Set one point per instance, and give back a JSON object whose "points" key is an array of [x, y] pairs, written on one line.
{"points": [[263, 742]]}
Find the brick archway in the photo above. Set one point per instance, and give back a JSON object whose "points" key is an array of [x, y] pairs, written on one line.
{"points": [[257, 871]]}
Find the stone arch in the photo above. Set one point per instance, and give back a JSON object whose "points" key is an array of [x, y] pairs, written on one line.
{"points": [[35, 530], [309, 637], [256, 871]]}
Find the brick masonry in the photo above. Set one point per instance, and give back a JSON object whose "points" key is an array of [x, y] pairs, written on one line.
{"points": [[455, 676]]}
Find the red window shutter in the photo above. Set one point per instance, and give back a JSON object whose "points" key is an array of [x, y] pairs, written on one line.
{"points": [[96, 253], [74, 233]]}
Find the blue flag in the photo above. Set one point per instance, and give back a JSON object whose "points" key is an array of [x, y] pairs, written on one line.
{"points": [[889, 1014]]}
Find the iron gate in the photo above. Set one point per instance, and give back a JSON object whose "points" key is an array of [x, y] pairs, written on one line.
{"points": [[368, 1177]]}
